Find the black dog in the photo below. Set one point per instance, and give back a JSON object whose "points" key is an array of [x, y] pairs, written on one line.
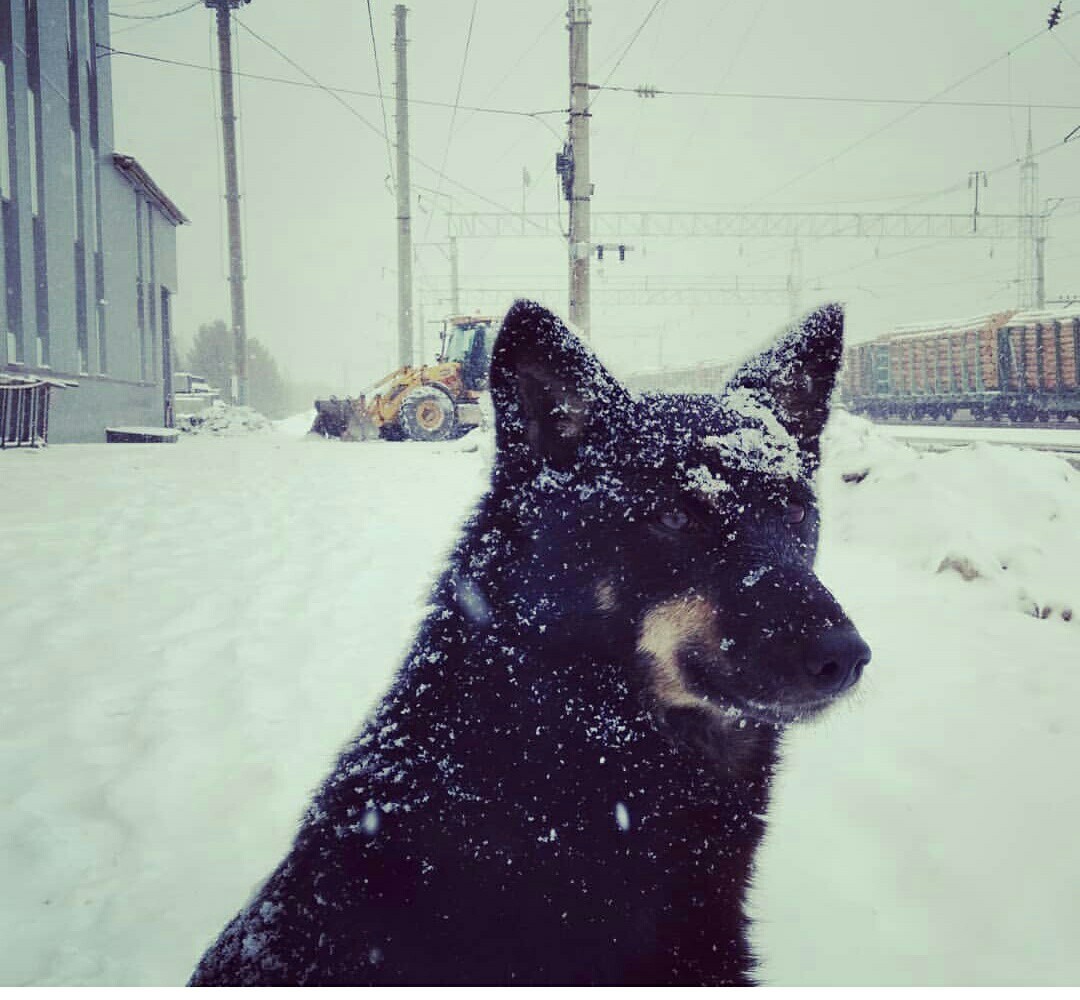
{"points": [[567, 780]]}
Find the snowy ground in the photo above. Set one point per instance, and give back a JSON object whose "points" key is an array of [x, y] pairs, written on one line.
{"points": [[190, 632], [1043, 438]]}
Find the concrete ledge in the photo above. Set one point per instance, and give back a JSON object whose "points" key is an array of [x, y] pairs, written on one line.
{"points": [[141, 435]]}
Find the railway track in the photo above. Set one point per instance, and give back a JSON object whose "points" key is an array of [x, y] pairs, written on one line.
{"points": [[938, 437], [1035, 425]]}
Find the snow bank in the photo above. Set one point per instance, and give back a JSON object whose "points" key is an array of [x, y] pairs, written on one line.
{"points": [[297, 425], [1003, 519], [925, 833], [223, 419]]}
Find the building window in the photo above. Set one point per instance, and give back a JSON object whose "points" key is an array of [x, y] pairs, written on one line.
{"points": [[99, 271], [5, 150], [34, 131], [82, 336], [74, 136], [35, 186], [41, 276], [151, 275], [11, 296], [140, 306], [91, 73], [166, 355]]}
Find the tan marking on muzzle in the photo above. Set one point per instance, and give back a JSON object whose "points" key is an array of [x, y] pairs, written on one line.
{"points": [[665, 630]]}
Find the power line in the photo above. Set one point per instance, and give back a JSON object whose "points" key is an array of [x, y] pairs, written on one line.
{"points": [[345, 104], [1008, 165], [759, 9], [382, 100], [155, 17], [902, 117], [453, 114], [300, 69], [649, 91], [629, 46], [140, 3], [110, 51], [933, 99], [520, 55]]}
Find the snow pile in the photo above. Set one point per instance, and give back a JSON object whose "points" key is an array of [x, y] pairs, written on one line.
{"points": [[921, 833], [1000, 518], [224, 420], [296, 426]]}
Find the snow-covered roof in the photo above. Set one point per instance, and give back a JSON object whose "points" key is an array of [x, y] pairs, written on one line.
{"points": [[937, 327], [141, 180], [12, 378], [681, 369], [1044, 316]]}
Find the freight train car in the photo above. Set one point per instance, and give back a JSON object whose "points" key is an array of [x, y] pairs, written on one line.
{"points": [[1017, 365], [708, 376]]}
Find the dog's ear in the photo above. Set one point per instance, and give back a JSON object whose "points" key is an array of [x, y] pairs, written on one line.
{"points": [[549, 391], [796, 375]]}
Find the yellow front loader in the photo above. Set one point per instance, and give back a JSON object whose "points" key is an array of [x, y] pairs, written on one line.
{"points": [[429, 403]]}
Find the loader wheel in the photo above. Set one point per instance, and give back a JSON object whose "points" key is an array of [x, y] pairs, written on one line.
{"points": [[428, 415]]}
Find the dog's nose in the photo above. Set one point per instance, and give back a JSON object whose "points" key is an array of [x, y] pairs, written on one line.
{"points": [[836, 660]]}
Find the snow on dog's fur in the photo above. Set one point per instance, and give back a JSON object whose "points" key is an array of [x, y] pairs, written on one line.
{"points": [[567, 779]]}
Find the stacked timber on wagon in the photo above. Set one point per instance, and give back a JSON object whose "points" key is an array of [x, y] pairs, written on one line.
{"points": [[1008, 364], [1040, 352], [925, 370], [703, 377]]}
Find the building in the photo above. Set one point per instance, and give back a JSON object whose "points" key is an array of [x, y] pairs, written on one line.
{"points": [[89, 240]]}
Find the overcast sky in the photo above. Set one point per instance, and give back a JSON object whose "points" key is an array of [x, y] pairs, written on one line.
{"points": [[320, 224]]}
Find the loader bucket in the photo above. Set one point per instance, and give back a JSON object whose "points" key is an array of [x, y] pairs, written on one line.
{"points": [[359, 425], [344, 418]]}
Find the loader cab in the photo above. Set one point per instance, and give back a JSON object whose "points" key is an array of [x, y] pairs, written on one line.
{"points": [[467, 340]]}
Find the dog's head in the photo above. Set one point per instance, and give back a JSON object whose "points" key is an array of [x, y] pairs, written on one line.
{"points": [[676, 532]]}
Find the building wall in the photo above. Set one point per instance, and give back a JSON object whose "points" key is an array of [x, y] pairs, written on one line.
{"points": [[82, 245]]}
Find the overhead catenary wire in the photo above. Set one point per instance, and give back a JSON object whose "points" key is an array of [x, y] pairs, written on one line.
{"points": [[759, 9], [626, 50], [899, 118], [917, 106], [834, 99], [155, 17], [519, 55], [453, 114], [109, 50], [382, 99], [316, 83], [356, 114]]}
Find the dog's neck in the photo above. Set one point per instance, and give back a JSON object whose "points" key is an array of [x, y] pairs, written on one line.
{"points": [[526, 684]]}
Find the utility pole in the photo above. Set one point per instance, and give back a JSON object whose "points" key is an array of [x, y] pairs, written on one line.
{"points": [[224, 9], [455, 282], [405, 278], [1030, 284], [974, 177], [573, 165], [795, 280]]}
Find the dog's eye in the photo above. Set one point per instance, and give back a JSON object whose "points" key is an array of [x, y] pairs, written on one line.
{"points": [[675, 519], [794, 513]]}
